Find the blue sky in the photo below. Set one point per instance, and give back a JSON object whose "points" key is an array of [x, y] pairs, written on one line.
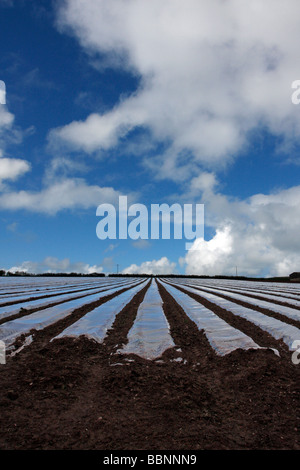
{"points": [[176, 102]]}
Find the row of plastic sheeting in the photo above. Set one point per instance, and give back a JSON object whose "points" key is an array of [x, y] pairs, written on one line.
{"points": [[289, 288], [276, 328], [150, 335], [30, 283], [272, 295], [222, 337], [10, 310], [283, 310], [10, 330], [39, 285], [29, 296], [38, 291], [96, 323]]}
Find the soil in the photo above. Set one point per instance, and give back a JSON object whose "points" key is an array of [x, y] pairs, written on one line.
{"points": [[79, 394]]}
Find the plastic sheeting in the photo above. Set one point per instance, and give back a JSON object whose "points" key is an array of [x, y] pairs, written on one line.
{"points": [[95, 324], [30, 283], [266, 294], [276, 328], [10, 310], [270, 286], [259, 290], [222, 337], [149, 336], [6, 312], [48, 285], [11, 297], [287, 311], [31, 296], [12, 329]]}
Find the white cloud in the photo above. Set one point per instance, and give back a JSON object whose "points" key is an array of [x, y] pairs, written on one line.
{"points": [[111, 247], [141, 244], [12, 168], [259, 236], [210, 71], [97, 132], [6, 118], [68, 193], [6, 121], [161, 266], [59, 192], [55, 265], [204, 182]]}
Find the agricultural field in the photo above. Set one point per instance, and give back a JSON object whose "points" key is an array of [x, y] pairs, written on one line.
{"points": [[153, 364]]}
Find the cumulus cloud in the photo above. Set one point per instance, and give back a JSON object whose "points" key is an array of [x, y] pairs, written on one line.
{"points": [[141, 244], [67, 193], [161, 266], [259, 236], [97, 132], [55, 265], [203, 183], [6, 118], [210, 72], [6, 121], [59, 191], [12, 168]]}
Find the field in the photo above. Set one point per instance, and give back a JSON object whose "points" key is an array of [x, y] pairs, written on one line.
{"points": [[153, 364]]}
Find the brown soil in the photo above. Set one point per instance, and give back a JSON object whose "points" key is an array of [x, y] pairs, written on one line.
{"points": [[78, 394]]}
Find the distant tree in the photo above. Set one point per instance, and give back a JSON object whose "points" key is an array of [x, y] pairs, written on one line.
{"points": [[294, 275]]}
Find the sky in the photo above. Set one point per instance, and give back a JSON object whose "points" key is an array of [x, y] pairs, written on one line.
{"points": [[160, 101]]}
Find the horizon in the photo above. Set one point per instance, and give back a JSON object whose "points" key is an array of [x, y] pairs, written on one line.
{"points": [[294, 277]]}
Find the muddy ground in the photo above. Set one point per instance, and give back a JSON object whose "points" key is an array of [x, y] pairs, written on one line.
{"points": [[78, 394]]}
